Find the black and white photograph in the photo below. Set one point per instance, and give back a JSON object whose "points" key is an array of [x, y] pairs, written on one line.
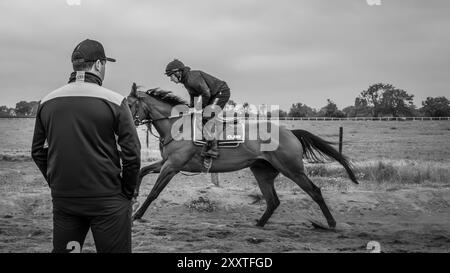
{"points": [[218, 127]]}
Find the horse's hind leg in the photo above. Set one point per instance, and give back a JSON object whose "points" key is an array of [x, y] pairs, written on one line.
{"points": [[312, 190], [265, 175], [307, 185], [292, 168]]}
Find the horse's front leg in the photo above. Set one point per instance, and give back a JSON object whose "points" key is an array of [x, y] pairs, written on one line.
{"points": [[168, 171], [152, 168]]}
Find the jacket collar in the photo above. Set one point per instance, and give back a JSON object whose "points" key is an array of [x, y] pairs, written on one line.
{"points": [[184, 74], [82, 76]]}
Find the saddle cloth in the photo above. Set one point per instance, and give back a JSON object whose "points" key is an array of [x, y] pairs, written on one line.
{"points": [[231, 131]]}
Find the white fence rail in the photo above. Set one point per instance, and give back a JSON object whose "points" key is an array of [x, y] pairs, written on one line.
{"points": [[253, 117], [358, 118]]}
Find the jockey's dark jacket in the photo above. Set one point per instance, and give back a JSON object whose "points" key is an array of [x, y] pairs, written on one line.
{"points": [[83, 124], [199, 83]]}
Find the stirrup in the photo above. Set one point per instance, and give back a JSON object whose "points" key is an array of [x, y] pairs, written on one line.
{"points": [[213, 154], [207, 163]]}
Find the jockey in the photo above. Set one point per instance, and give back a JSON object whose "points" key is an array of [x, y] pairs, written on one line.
{"points": [[214, 92]]}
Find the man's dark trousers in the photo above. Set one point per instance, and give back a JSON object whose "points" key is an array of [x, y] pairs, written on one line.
{"points": [[108, 217]]}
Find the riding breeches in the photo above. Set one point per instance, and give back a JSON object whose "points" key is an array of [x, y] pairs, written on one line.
{"points": [[222, 96]]}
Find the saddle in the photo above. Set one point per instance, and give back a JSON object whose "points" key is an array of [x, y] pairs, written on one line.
{"points": [[230, 135]]}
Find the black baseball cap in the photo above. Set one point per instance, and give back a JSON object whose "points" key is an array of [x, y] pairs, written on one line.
{"points": [[89, 51]]}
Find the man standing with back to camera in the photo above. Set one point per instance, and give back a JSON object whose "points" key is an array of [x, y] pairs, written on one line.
{"points": [[82, 123]]}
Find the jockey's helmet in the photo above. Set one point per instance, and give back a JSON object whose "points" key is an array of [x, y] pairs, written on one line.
{"points": [[174, 66]]}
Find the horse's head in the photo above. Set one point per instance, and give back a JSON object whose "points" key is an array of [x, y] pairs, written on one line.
{"points": [[137, 106], [152, 105]]}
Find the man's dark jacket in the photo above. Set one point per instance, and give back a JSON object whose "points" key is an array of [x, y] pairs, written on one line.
{"points": [[199, 83], [76, 137]]}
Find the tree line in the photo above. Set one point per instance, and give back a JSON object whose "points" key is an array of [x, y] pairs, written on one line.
{"points": [[22, 109], [379, 100]]}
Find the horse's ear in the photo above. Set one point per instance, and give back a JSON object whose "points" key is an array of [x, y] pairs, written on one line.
{"points": [[133, 92]]}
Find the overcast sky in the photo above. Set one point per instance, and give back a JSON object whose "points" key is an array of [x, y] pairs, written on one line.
{"points": [[274, 52]]}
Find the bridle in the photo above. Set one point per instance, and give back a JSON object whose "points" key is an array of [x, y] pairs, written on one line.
{"points": [[149, 122]]}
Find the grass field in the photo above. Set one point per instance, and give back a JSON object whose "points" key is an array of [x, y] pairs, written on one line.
{"points": [[372, 140], [410, 152], [363, 140]]}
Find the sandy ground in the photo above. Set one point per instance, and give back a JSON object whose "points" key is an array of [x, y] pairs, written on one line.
{"points": [[401, 219]]}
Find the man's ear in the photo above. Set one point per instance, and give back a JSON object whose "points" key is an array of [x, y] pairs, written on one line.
{"points": [[97, 65]]}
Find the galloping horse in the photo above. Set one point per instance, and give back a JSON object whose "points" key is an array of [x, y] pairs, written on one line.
{"points": [[155, 106]]}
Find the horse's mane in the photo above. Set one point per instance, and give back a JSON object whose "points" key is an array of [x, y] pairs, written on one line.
{"points": [[165, 96]]}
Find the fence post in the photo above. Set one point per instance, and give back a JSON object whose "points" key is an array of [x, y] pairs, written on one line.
{"points": [[146, 137], [215, 179], [341, 131]]}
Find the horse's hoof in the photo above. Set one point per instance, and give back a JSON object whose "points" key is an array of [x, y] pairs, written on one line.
{"points": [[259, 223], [332, 225], [135, 217], [318, 225]]}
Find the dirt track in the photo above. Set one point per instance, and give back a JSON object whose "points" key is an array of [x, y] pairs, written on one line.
{"points": [[414, 219]]}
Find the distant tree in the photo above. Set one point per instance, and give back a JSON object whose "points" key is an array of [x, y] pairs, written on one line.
{"points": [[248, 109], [263, 109], [385, 99], [397, 102], [418, 112], [232, 103], [26, 108], [436, 107], [331, 110], [301, 110], [34, 108], [350, 111], [230, 107], [4, 111], [281, 113], [361, 108], [23, 107], [251, 109], [373, 96]]}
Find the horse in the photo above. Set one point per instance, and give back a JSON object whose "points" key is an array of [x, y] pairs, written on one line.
{"points": [[155, 107]]}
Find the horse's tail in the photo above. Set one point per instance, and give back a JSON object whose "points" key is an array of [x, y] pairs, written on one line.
{"points": [[312, 144]]}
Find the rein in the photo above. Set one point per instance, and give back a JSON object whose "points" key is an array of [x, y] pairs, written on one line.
{"points": [[151, 121]]}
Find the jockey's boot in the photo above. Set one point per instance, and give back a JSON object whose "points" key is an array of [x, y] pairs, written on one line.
{"points": [[214, 149]]}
